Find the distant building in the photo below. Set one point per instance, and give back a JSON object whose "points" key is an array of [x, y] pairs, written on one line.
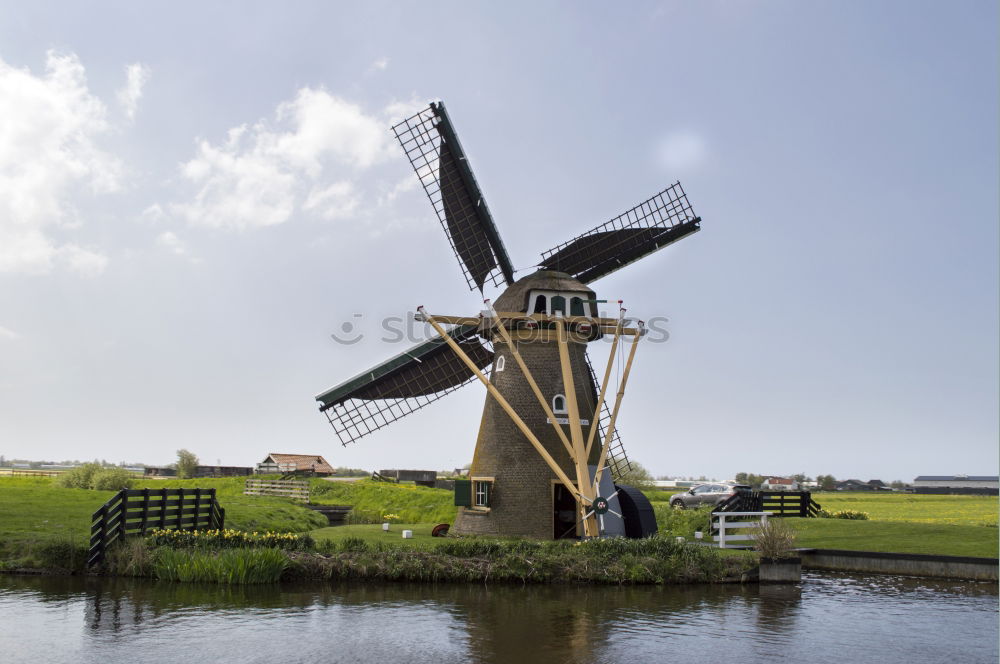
{"points": [[676, 484], [285, 464], [200, 471], [853, 485], [779, 484], [981, 484]]}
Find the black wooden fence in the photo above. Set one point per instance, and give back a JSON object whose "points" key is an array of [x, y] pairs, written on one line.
{"points": [[134, 511], [779, 503]]}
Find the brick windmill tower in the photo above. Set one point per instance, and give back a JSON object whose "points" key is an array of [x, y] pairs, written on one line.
{"points": [[548, 450]]}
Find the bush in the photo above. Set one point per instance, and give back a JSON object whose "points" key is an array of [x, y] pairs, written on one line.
{"points": [[111, 479], [682, 523], [61, 553], [229, 539], [130, 557], [79, 477], [852, 515], [94, 476], [774, 539]]}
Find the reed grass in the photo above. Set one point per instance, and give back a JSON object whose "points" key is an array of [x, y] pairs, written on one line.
{"points": [[234, 566]]}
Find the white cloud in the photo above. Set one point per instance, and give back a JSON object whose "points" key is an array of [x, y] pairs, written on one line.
{"points": [[381, 64], [8, 335], [335, 202], [262, 173], [48, 153], [683, 151], [171, 242], [84, 262], [136, 76], [153, 214]]}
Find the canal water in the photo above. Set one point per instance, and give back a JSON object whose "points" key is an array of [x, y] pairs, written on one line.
{"points": [[827, 618]]}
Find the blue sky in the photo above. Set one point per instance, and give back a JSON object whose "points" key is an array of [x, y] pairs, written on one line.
{"points": [[195, 198]]}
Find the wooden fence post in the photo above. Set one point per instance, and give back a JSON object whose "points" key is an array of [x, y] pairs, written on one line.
{"points": [[123, 494], [145, 511]]}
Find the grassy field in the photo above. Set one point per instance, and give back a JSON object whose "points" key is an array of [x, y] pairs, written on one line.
{"points": [[915, 508], [372, 500], [373, 533], [896, 537], [39, 519]]}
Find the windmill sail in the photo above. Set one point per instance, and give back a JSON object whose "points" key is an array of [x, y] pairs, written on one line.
{"points": [[617, 459], [401, 385], [651, 225], [431, 145]]}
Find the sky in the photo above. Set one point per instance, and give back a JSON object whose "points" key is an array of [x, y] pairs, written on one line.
{"points": [[195, 199]]}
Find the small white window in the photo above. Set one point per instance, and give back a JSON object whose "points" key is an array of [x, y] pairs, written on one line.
{"points": [[559, 404], [501, 362]]}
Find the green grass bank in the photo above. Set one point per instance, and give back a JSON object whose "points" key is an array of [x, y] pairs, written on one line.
{"points": [[43, 526]]}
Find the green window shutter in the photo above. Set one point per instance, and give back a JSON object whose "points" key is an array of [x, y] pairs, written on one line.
{"points": [[463, 493]]}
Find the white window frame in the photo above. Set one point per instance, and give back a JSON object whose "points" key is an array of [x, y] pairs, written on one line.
{"points": [[501, 363], [476, 481], [557, 410]]}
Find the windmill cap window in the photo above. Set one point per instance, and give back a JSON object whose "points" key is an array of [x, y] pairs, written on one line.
{"points": [[565, 303]]}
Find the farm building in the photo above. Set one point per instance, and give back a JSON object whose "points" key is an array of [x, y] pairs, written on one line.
{"points": [[284, 464], [779, 484], [985, 484]]}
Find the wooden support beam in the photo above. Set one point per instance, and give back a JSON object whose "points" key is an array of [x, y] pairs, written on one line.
{"points": [[605, 325], [595, 422], [614, 412], [575, 430], [495, 393], [505, 335]]}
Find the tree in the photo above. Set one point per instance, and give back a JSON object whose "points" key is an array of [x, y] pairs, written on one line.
{"points": [[751, 480], [187, 464], [826, 482], [637, 477], [801, 478]]}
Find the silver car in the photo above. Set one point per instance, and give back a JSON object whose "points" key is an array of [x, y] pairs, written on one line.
{"points": [[705, 494]]}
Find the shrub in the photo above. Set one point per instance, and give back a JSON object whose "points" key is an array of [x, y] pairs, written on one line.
{"points": [[682, 523], [79, 477], [62, 553], [229, 539], [853, 515], [94, 476], [111, 479], [774, 539], [130, 557]]}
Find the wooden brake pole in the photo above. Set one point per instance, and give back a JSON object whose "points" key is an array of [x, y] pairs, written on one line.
{"points": [[531, 382], [495, 393], [594, 423], [575, 430], [614, 412]]}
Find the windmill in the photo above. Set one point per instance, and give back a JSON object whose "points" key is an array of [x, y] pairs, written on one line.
{"points": [[548, 436]]}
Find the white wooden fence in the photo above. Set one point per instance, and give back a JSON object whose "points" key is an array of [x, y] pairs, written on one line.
{"points": [[294, 489], [726, 527]]}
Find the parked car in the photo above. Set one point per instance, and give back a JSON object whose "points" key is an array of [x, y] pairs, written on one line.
{"points": [[705, 494]]}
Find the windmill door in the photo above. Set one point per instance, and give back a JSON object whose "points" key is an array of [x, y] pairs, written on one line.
{"points": [[564, 513]]}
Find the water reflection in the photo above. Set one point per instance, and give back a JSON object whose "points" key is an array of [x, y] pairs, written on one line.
{"points": [[827, 618]]}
